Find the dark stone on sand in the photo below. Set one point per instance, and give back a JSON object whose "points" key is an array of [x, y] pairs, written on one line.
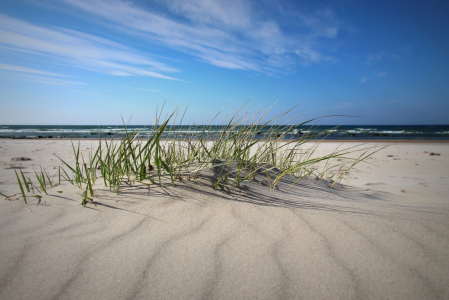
{"points": [[51, 137], [20, 158], [18, 137], [433, 153]]}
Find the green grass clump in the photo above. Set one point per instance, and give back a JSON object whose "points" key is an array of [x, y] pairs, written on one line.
{"points": [[238, 153]]}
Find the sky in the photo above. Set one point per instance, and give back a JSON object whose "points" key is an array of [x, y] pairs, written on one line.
{"points": [[80, 62]]}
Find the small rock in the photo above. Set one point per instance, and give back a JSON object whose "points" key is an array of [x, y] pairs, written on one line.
{"points": [[433, 153], [389, 155], [20, 158]]}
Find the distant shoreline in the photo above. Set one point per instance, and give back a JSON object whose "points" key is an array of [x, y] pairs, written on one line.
{"points": [[285, 132], [392, 141]]}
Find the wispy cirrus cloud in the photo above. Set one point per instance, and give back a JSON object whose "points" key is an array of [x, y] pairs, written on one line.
{"points": [[344, 105], [41, 77], [230, 34], [76, 49], [33, 75], [25, 70], [379, 74], [139, 89], [374, 57]]}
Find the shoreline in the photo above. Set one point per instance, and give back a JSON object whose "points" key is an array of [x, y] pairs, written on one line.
{"points": [[309, 141]]}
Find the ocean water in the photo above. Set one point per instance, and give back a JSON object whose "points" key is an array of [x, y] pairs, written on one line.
{"points": [[329, 132]]}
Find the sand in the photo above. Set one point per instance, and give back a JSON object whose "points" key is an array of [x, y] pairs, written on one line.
{"points": [[382, 235]]}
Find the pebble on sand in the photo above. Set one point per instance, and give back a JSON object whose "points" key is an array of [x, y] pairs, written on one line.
{"points": [[20, 158]]}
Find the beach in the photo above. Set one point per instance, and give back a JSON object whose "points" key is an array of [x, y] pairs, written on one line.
{"points": [[381, 234]]}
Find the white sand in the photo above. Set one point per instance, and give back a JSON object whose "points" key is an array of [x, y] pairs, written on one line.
{"points": [[386, 236]]}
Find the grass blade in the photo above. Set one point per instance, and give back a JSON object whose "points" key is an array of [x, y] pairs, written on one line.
{"points": [[21, 187]]}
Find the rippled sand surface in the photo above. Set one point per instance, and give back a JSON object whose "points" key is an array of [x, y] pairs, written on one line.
{"points": [[192, 242]]}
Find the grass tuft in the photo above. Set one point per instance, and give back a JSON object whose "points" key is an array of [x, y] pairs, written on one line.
{"points": [[238, 149]]}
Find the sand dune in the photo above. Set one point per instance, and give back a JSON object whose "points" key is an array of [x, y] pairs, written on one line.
{"points": [[365, 241]]}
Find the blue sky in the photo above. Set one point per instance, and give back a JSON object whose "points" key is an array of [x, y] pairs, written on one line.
{"points": [[93, 61]]}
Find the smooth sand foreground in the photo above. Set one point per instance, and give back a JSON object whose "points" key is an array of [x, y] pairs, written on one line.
{"points": [[384, 236]]}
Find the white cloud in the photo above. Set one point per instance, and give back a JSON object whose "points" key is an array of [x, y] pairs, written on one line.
{"points": [[344, 104], [25, 70], [77, 49], [230, 34], [374, 57], [146, 90], [230, 13], [380, 74], [54, 82], [36, 77], [323, 23]]}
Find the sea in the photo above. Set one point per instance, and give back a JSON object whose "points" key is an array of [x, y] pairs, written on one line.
{"points": [[327, 132]]}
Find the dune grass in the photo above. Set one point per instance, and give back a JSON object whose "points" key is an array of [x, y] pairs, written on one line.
{"points": [[237, 149]]}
